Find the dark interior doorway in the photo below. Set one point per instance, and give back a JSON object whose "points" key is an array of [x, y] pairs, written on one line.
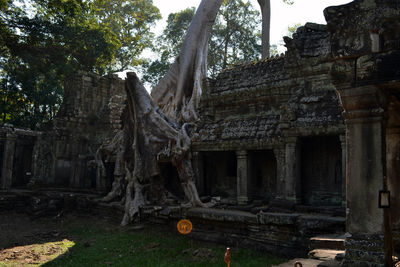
{"points": [[110, 167], [220, 172], [171, 179], [263, 172], [62, 172], [22, 166], [90, 175], [321, 171]]}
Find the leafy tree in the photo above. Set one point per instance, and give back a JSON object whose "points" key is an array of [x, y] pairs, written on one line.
{"points": [[292, 29], [168, 45], [235, 37], [131, 22], [42, 46], [44, 41], [273, 50]]}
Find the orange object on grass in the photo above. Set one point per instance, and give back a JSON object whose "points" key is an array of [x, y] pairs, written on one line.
{"points": [[184, 226]]}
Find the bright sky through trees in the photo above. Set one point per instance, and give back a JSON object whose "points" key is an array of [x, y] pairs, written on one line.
{"points": [[282, 15]]}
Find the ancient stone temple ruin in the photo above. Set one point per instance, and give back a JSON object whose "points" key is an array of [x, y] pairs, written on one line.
{"points": [[60, 154], [288, 148], [274, 129]]}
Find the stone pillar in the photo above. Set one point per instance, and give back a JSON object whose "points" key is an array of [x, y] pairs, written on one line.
{"points": [[8, 161], [293, 165], [393, 175], [198, 168], [242, 177], [364, 119], [280, 171], [343, 146]]}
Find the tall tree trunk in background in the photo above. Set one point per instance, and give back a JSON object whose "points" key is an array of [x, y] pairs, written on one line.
{"points": [[178, 92], [158, 125], [265, 6]]}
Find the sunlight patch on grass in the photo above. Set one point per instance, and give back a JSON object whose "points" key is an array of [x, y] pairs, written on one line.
{"points": [[35, 254]]}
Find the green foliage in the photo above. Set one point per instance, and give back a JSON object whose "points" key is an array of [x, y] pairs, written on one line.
{"points": [[273, 50], [235, 37], [131, 22], [292, 29], [44, 41], [168, 45]]}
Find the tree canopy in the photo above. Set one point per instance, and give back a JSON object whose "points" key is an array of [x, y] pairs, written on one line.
{"points": [[44, 41], [235, 38], [168, 45], [131, 22]]}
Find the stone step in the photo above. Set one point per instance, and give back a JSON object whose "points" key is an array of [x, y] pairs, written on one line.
{"points": [[325, 254], [327, 242], [309, 263]]}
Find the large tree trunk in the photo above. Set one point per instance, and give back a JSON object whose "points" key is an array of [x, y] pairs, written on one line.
{"points": [[159, 128], [154, 136], [178, 92], [265, 6]]}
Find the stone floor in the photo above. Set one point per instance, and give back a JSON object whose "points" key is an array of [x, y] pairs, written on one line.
{"points": [[309, 263], [327, 251]]}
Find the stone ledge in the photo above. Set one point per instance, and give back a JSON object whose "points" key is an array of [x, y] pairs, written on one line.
{"points": [[277, 218], [222, 215]]}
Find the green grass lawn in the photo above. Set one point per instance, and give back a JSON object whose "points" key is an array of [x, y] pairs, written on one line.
{"points": [[90, 242]]}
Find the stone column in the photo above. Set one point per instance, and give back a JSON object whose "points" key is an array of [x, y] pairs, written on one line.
{"points": [[343, 146], [8, 161], [242, 177], [293, 175], [364, 119], [393, 175], [280, 171], [198, 168]]}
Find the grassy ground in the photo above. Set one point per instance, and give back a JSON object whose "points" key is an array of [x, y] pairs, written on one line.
{"points": [[87, 241]]}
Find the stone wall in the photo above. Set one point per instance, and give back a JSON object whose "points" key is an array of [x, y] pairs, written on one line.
{"points": [[270, 107], [17, 147], [365, 47], [283, 234], [89, 115]]}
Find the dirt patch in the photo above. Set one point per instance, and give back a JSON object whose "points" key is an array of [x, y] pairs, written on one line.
{"points": [[35, 253], [25, 241]]}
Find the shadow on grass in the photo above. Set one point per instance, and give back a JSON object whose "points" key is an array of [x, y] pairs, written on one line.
{"points": [[91, 241], [152, 247]]}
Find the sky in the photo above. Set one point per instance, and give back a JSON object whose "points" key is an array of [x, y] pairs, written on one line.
{"points": [[282, 15]]}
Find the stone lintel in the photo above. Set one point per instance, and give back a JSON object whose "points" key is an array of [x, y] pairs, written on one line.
{"points": [[292, 140], [241, 154], [363, 101], [364, 116]]}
